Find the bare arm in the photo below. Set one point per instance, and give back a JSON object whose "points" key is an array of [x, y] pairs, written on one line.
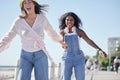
{"points": [[62, 34], [83, 35]]}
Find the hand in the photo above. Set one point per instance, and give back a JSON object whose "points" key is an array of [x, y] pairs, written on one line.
{"points": [[102, 53], [64, 46]]}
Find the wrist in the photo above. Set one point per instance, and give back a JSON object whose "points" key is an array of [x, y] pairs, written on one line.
{"points": [[63, 43], [99, 49]]}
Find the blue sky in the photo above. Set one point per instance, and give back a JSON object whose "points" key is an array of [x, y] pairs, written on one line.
{"points": [[100, 21]]}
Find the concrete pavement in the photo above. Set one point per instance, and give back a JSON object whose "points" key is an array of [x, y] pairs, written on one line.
{"points": [[101, 75]]}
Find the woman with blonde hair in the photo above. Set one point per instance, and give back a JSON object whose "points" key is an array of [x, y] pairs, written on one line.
{"points": [[30, 26]]}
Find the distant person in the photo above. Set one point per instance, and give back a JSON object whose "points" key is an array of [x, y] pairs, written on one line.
{"points": [[96, 65], [116, 63], [112, 66], [30, 26], [88, 65], [73, 57]]}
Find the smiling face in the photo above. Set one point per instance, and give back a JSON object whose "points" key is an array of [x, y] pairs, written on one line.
{"points": [[28, 6], [69, 21]]}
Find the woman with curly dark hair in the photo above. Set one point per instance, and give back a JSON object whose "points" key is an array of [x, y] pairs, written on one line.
{"points": [[73, 56]]}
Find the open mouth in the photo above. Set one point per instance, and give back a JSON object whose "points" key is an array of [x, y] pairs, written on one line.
{"points": [[28, 9]]}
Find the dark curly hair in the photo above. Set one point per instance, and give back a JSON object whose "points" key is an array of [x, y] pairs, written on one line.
{"points": [[62, 25]]}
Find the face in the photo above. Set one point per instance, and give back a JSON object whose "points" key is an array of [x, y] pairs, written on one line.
{"points": [[28, 6], [69, 21]]}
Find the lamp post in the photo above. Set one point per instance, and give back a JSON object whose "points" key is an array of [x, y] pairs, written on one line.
{"points": [[110, 47], [109, 60]]}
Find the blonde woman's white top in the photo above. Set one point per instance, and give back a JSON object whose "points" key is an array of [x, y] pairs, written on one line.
{"points": [[28, 40]]}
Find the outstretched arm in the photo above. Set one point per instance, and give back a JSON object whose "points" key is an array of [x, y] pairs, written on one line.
{"points": [[83, 35], [7, 38], [53, 34]]}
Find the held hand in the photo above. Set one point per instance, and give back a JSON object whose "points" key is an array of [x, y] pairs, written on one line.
{"points": [[64, 46], [102, 53]]}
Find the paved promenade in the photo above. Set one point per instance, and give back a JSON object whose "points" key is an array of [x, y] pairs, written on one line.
{"points": [[101, 75]]}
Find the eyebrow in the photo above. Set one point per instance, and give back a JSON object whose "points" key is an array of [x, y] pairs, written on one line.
{"points": [[69, 19]]}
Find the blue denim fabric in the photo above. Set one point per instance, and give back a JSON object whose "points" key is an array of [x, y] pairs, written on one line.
{"points": [[29, 60], [73, 58]]}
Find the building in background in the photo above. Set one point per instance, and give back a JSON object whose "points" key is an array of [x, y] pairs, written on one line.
{"points": [[113, 44]]}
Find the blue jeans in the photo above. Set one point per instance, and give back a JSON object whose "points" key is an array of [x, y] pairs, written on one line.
{"points": [[29, 60], [76, 62]]}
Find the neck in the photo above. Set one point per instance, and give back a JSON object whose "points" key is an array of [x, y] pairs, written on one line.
{"points": [[31, 16], [71, 29]]}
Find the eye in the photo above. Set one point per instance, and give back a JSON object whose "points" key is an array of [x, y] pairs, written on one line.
{"points": [[29, 1], [69, 20]]}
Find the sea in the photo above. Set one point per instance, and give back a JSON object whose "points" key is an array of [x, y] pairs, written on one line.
{"points": [[7, 68]]}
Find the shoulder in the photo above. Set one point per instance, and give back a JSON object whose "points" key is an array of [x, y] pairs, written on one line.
{"points": [[115, 60], [41, 16], [17, 21], [80, 32], [62, 32]]}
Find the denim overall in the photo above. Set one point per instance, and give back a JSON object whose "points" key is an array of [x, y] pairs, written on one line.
{"points": [[29, 60], [73, 58]]}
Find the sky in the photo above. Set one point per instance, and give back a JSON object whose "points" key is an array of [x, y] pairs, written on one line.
{"points": [[100, 18]]}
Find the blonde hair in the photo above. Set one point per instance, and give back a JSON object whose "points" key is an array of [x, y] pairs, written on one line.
{"points": [[21, 2]]}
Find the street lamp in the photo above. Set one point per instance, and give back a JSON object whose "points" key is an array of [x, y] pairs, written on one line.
{"points": [[117, 45]]}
